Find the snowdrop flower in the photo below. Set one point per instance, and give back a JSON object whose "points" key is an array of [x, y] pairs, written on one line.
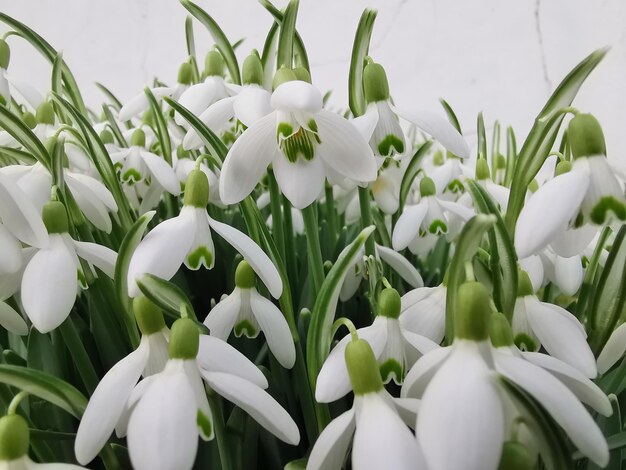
{"points": [[185, 165], [139, 103], [464, 400], [108, 406], [137, 164], [50, 280], [376, 425], [386, 188], [381, 122], [588, 192], [430, 215], [537, 323], [395, 350], [423, 312], [173, 409], [449, 175], [187, 239], [303, 142], [32, 96], [247, 105], [14, 446], [500, 194], [247, 313], [395, 260]]}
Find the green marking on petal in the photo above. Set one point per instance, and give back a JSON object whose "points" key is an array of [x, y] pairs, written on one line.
{"points": [[456, 186], [245, 327], [284, 130], [131, 176], [204, 423], [312, 125], [524, 342], [438, 227], [299, 144], [390, 144], [201, 255], [82, 280], [392, 369], [600, 212]]}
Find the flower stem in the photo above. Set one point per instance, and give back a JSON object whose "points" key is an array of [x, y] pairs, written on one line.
{"points": [[366, 219], [15, 402], [290, 250], [314, 252], [220, 430], [331, 214], [277, 213], [79, 355]]}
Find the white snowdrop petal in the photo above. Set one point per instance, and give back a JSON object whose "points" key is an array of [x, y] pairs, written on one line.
{"points": [[11, 259], [253, 254], [534, 268], [572, 242], [11, 320], [275, 329], [251, 104], [302, 181], [366, 123], [107, 404], [408, 225], [98, 189], [422, 372], [19, 216], [161, 172], [221, 319], [257, 403], [424, 312], [568, 274], [401, 265], [139, 103], [613, 350], [49, 285], [296, 95], [331, 447], [100, 256], [197, 98], [215, 117]]}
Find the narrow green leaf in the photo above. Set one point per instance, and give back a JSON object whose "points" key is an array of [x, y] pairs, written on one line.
{"points": [[18, 156], [495, 149], [45, 386], [163, 133], [503, 258], [451, 115], [221, 41], [190, 41], [323, 315], [482, 139], [115, 129], [287, 33], [469, 240], [360, 49], [22, 133], [511, 156], [411, 172], [166, 295], [115, 102], [57, 85]]}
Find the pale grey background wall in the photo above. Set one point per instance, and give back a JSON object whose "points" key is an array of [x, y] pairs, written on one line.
{"points": [[499, 57]]}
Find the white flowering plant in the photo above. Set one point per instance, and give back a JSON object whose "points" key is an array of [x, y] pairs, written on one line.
{"points": [[176, 272]]}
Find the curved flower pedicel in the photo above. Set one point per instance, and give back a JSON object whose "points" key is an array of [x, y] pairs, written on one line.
{"points": [[248, 313], [173, 409], [304, 143], [464, 399], [377, 425], [186, 238]]}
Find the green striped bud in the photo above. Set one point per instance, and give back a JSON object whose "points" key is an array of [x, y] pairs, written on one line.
{"points": [[585, 136], [185, 74], [500, 331], [138, 138], [149, 317], [375, 84], [54, 217], [196, 189], [252, 72], [482, 169], [213, 64], [362, 368], [14, 437], [184, 339], [45, 113]]}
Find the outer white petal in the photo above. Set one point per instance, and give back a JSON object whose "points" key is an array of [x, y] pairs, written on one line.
{"points": [[100, 256], [94, 209], [162, 252], [221, 319], [301, 182], [408, 225], [331, 447], [204, 410], [422, 372], [202, 251], [107, 404], [333, 381], [462, 405], [549, 210], [28, 92], [99, 189], [19, 215], [572, 242], [257, 403], [162, 431], [568, 274], [11, 320], [215, 117], [216, 355], [247, 160], [252, 103], [534, 268], [423, 312], [562, 405], [296, 96], [140, 103], [49, 285], [561, 334], [275, 328], [197, 98], [581, 386], [159, 355], [366, 123], [344, 149], [11, 256], [162, 172], [253, 254], [441, 129], [400, 265], [382, 440], [613, 350]]}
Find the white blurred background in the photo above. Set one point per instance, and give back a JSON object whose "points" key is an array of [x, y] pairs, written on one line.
{"points": [[500, 57]]}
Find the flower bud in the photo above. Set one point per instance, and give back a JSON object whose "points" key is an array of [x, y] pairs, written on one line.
{"points": [[427, 187], [245, 278], [362, 368], [562, 167], [45, 113], [438, 158], [138, 138], [5, 54], [14, 437], [106, 136], [185, 74], [252, 72], [29, 119], [500, 162], [515, 456], [524, 284], [184, 339], [500, 331], [389, 303], [375, 84], [54, 217], [213, 64], [196, 189], [585, 136], [149, 317], [473, 312], [482, 169], [283, 75], [302, 74]]}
